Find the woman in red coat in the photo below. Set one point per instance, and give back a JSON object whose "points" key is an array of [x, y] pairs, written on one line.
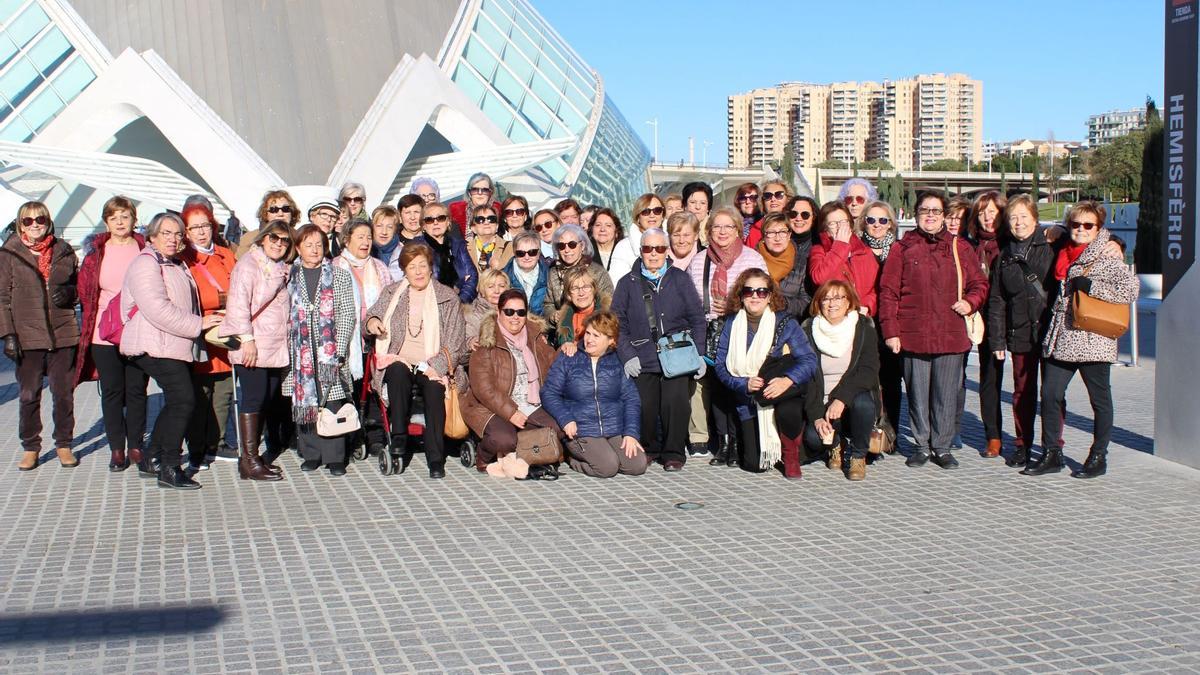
{"points": [[840, 254]]}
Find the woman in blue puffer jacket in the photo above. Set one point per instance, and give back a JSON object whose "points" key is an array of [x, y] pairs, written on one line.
{"points": [[596, 405]]}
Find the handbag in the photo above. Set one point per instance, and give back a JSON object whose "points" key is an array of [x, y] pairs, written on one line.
{"points": [[456, 426], [712, 334], [973, 320], [539, 446], [883, 435], [1110, 319], [677, 353], [777, 366], [333, 423]]}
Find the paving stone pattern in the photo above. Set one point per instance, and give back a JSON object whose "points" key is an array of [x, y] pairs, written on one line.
{"points": [[915, 570]]}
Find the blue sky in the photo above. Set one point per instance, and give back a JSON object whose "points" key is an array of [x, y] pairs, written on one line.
{"points": [[1045, 65]]}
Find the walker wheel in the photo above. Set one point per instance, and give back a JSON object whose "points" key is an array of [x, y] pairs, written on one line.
{"points": [[386, 466], [466, 453], [360, 450]]}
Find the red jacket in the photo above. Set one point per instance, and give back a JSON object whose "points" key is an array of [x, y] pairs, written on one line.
{"points": [[754, 235], [88, 287], [852, 261], [458, 213], [918, 288]]}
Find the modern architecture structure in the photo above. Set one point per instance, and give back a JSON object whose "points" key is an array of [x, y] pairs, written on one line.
{"points": [[908, 122], [157, 99], [1109, 126]]}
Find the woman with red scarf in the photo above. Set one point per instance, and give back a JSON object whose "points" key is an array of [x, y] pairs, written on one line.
{"points": [[37, 321]]}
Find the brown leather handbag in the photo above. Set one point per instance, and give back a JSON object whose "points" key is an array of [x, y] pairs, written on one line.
{"points": [[539, 447], [456, 426], [1110, 319]]}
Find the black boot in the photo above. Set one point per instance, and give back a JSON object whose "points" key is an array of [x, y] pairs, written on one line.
{"points": [[1050, 462], [174, 477], [401, 453], [721, 452], [731, 458], [1094, 466], [1020, 457]]}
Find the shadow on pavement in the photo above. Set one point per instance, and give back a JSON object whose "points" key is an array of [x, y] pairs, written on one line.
{"points": [[73, 626]]}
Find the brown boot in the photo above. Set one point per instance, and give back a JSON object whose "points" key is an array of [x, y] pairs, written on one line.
{"points": [[858, 468], [835, 456], [993, 448], [66, 457], [29, 460], [250, 466], [791, 457]]}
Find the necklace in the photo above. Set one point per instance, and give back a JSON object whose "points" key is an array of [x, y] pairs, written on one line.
{"points": [[420, 327]]}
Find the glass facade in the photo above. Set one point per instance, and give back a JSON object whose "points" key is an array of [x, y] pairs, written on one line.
{"points": [[40, 70], [615, 172]]}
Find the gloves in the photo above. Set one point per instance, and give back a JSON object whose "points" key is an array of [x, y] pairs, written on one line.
{"points": [[1083, 284], [12, 347], [700, 373], [633, 367], [63, 297]]}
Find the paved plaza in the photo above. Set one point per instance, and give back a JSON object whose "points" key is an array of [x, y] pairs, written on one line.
{"points": [[920, 570]]}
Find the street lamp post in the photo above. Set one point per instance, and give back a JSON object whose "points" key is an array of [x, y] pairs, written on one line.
{"points": [[654, 123], [704, 153]]}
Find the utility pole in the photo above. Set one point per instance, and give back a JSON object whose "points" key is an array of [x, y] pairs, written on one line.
{"points": [[691, 151], [705, 152], [654, 123]]}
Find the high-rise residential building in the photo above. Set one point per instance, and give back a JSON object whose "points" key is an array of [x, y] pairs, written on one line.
{"points": [[1109, 126], [908, 122]]}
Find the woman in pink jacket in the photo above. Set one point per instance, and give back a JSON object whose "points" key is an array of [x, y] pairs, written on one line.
{"points": [[162, 307], [257, 313]]}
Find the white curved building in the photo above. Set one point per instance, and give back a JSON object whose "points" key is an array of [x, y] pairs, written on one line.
{"points": [[158, 99]]}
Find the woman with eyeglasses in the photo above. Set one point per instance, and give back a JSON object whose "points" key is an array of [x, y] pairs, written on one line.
{"points": [[1081, 266], [746, 202], [492, 283], [545, 222], [765, 361], [488, 250], [839, 254], [479, 192], [276, 205], [856, 193], [354, 197], [452, 264], [921, 317], [684, 232], [654, 300], [515, 211], [38, 277], [648, 213], [507, 373], [584, 298], [878, 232], [774, 196], [574, 250], [528, 271], [784, 263], [427, 189], [606, 232]]}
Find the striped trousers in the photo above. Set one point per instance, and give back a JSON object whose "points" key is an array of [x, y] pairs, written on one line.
{"points": [[932, 383]]}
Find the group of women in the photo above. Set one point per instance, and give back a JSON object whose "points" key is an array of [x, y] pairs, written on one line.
{"points": [[770, 333]]}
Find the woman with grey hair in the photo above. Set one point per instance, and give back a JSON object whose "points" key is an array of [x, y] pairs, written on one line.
{"points": [[856, 193], [572, 249], [480, 192], [655, 299], [353, 198], [528, 270], [427, 189]]}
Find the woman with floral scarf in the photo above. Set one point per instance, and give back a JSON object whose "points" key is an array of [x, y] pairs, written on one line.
{"points": [[879, 234]]}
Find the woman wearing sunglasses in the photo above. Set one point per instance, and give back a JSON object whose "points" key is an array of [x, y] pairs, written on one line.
{"points": [[856, 193], [528, 270], [839, 254], [353, 196], [653, 300], [878, 232], [479, 192], [515, 211], [38, 276], [774, 196], [765, 361], [649, 212], [452, 264], [507, 373], [276, 205], [573, 250], [746, 203], [488, 250], [1081, 267]]}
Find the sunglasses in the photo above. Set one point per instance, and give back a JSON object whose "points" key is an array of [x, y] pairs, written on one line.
{"points": [[515, 212], [748, 198], [479, 220], [778, 194], [564, 245], [803, 215], [1075, 225], [531, 252], [855, 199], [755, 292], [544, 225], [882, 220], [654, 249], [429, 220], [509, 311], [356, 200], [281, 209], [40, 220], [480, 191], [656, 210], [278, 238]]}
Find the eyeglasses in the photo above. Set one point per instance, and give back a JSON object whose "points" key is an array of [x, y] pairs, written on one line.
{"points": [[427, 196], [429, 220], [882, 220], [778, 194], [281, 209], [480, 191], [27, 221], [836, 223], [830, 299], [803, 215], [479, 220], [531, 252], [654, 249], [579, 288], [755, 292], [656, 210], [854, 199], [544, 225], [509, 311], [356, 200], [930, 212], [777, 233], [1075, 225], [278, 238], [515, 212], [564, 245], [200, 227], [716, 227], [748, 198]]}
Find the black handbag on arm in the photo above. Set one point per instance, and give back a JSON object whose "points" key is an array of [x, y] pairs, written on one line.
{"points": [[777, 366]]}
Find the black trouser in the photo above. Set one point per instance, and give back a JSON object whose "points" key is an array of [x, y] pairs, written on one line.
{"points": [[58, 366], [724, 410], [664, 398], [260, 393], [789, 420], [891, 374], [122, 398], [212, 392], [174, 377], [991, 379], [855, 426], [400, 380], [1056, 375], [372, 418], [314, 446]]}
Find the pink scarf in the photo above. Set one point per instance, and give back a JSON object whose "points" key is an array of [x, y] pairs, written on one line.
{"points": [[686, 261], [520, 341]]}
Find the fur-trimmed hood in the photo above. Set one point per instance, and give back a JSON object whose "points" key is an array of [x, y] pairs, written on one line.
{"points": [[489, 332]]}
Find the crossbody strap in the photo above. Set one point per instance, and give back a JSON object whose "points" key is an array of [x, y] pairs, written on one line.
{"points": [[957, 265], [211, 279], [648, 298], [707, 275]]}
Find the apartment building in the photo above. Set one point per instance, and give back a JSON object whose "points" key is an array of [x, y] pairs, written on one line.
{"points": [[759, 123], [1109, 126]]}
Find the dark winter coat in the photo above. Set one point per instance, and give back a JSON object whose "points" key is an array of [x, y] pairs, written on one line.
{"points": [[798, 345], [861, 375], [538, 299], [468, 275], [25, 306], [676, 306], [920, 286], [1021, 293], [493, 372], [602, 403], [89, 300], [795, 286]]}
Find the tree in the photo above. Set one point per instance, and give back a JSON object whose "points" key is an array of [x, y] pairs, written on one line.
{"points": [[884, 187], [1116, 168], [945, 165], [1148, 252], [787, 169], [910, 200], [1033, 190], [831, 164], [946, 186], [1003, 184], [877, 164]]}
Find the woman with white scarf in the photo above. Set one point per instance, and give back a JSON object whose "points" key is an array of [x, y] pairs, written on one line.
{"points": [[841, 403], [764, 360], [370, 276]]}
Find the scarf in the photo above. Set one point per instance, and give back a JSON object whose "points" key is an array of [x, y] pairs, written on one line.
{"points": [[38, 248], [444, 269], [578, 316], [1067, 257], [367, 282], [312, 374], [745, 361], [212, 246], [431, 331], [683, 262], [384, 253], [884, 245], [748, 224], [778, 266], [518, 343], [484, 251], [724, 260], [655, 278], [527, 279], [983, 235], [834, 340]]}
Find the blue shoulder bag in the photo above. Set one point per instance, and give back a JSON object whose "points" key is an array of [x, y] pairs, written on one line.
{"points": [[677, 353]]}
